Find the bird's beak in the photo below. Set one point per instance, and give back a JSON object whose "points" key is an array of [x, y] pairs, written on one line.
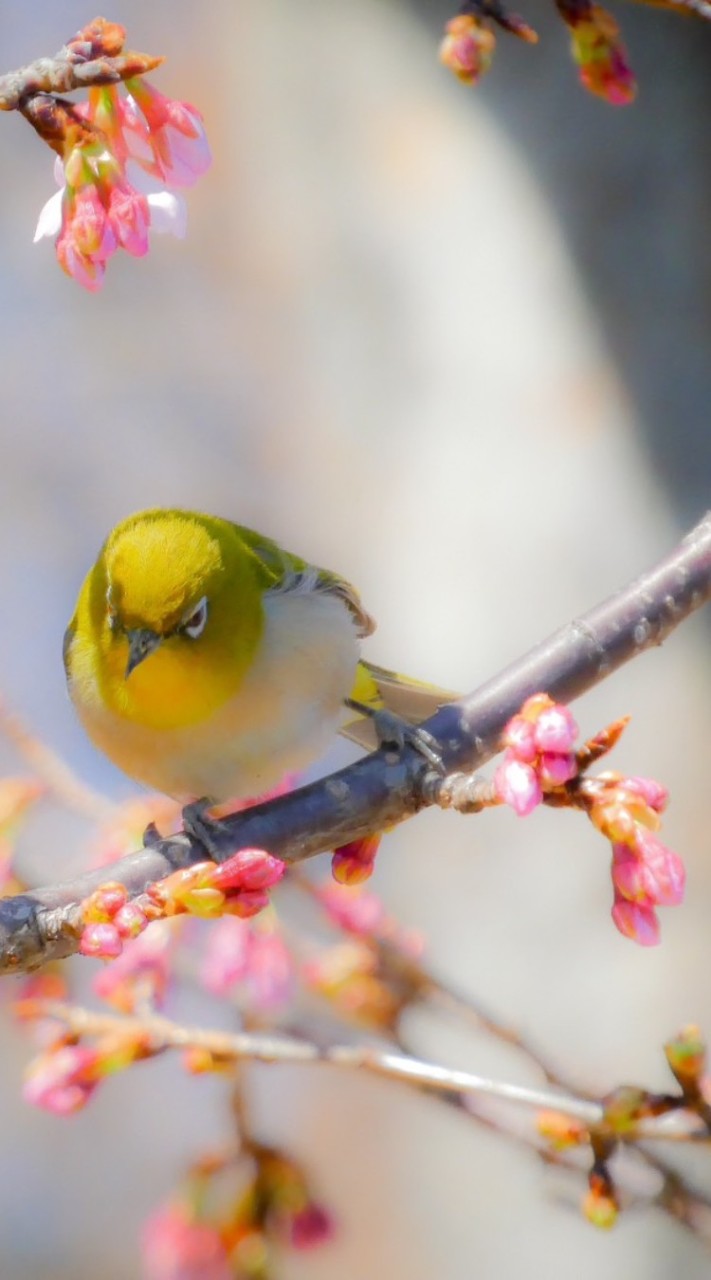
{"points": [[141, 643]]}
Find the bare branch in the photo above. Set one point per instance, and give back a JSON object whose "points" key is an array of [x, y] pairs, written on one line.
{"points": [[381, 791]]}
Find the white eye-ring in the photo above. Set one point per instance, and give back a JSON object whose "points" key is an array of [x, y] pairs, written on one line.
{"points": [[194, 624]]}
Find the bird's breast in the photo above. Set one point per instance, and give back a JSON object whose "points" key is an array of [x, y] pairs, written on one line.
{"points": [[287, 706]]}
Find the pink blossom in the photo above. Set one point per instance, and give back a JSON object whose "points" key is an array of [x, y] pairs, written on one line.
{"points": [[356, 912], [129, 217], [100, 208], [175, 133], [517, 785], [636, 921], [175, 1246], [62, 1080], [256, 959]]}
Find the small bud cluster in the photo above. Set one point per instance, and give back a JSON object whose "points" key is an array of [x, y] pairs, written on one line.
{"points": [[225, 1220], [645, 873], [468, 47], [65, 1076], [349, 977], [540, 764], [239, 886], [100, 209], [539, 754], [249, 959], [598, 51]]}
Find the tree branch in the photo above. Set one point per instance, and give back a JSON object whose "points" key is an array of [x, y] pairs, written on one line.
{"points": [[380, 791]]}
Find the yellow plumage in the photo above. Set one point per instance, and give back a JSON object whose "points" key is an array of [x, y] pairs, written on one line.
{"points": [[206, 661]]}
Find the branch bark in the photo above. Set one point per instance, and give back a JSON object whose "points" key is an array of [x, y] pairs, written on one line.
{"points": [[380, 791]]}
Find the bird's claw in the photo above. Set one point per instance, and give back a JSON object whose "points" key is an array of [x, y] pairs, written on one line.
{"points": [[209, 832], [394, 733]]}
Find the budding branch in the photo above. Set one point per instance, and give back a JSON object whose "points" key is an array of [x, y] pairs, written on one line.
{"points": [[383, 789]]}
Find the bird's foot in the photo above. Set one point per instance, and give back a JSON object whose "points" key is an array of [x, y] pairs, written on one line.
{"points": [[394, 733], [201, 826]]}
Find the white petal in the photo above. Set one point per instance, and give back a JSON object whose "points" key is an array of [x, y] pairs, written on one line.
{"points": [[50, 219], [168, 213], [59, 171]]}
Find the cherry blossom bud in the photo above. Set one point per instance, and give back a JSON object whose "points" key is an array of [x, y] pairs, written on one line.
{"points": [[555, 770], [636, 921], [248, 869], [555, 730], [62, 1080], [467, 48], [517, 785], [101, 940]]}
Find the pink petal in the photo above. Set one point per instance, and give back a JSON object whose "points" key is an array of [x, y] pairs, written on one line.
{"points": [[50, 218]]}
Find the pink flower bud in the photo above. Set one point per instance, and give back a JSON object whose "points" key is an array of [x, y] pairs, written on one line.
{"points": [[87, 271], [176, 1246], [249, 902], [555, 770], [630, 877], [176, 134], [653, 793], [129, 218], [467, 48], [103, 940], [519, 736], [130, 920], [636, 921], [555, 730], [664, 869], [358, 913], [249, 869], [62, 1080], [310, 1226], [517, 785]]}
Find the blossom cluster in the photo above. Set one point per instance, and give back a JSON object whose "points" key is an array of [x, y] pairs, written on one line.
{"points": [[224, 1220], [598, 51], [238, 886], [64, 1077], [104, 143], [468, 45], [539, 760]]}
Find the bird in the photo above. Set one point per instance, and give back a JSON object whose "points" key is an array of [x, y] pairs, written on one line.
{"points": [[207, 662]]}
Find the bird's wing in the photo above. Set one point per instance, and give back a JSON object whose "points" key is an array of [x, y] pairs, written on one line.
{"points": [[284, 572], [381, 689]]}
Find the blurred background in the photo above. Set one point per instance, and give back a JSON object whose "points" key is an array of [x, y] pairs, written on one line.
{"points": [[456, 345]]}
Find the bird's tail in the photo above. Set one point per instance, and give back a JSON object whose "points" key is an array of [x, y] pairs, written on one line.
{"points": [[378, 688]]}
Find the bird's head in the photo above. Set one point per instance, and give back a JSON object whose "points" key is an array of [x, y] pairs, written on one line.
{"points": [[178, 613]]}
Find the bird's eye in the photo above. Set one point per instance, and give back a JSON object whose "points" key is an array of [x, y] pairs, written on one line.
{"points": [[194, 624]]}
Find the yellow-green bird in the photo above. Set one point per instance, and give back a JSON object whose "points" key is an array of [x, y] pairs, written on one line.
{"points": [[206, 662]]}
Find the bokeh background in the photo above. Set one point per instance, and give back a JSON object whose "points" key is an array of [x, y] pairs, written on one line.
{"points": [[456, 345]]}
